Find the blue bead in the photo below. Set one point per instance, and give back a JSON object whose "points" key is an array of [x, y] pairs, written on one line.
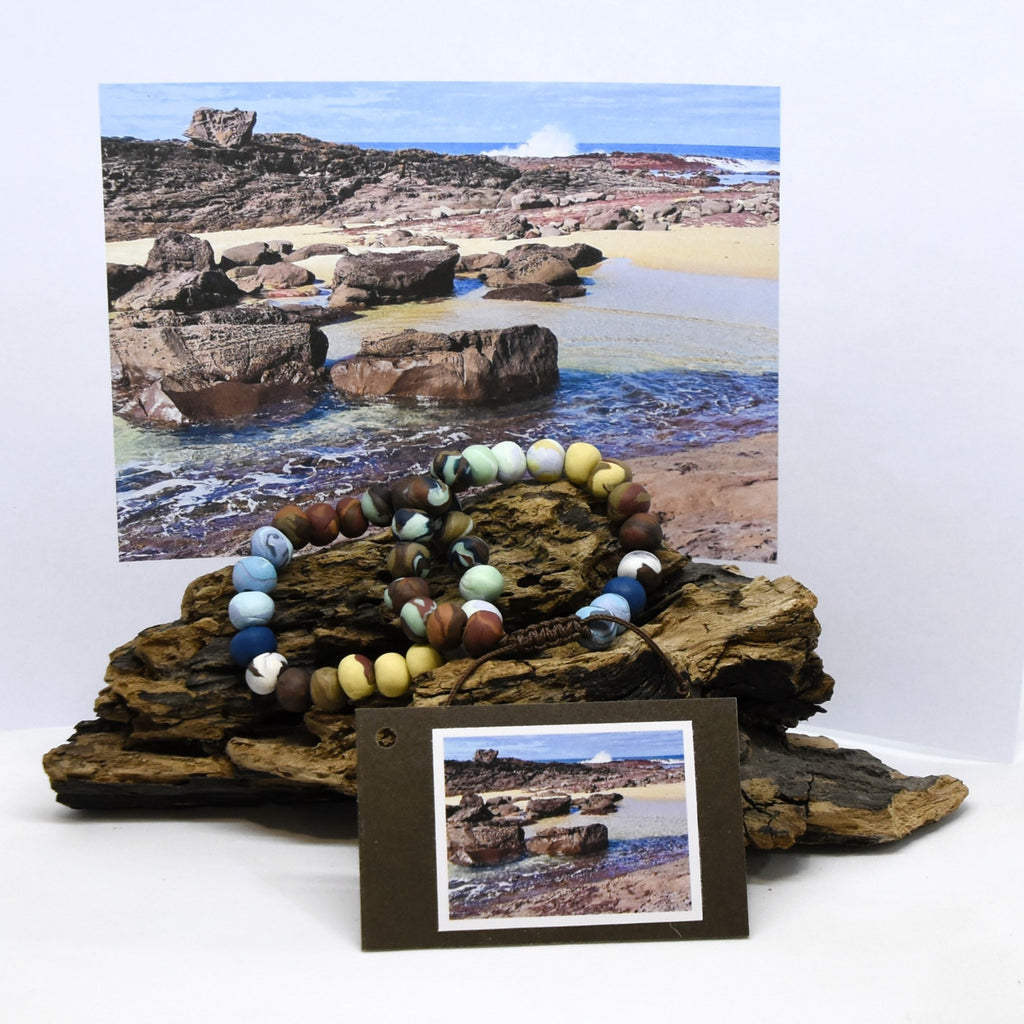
{"points": [[632, 590], [614, 604], [249, 642], [601, 633], [254, 573], [270, 543], [250, 608]]}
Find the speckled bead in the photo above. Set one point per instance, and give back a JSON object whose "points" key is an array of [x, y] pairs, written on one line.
{"points": [[483, 632], [409, 524], [421, 659], [475, 605], [323, 519], [615, 605], [641, 532], [249, 642], [263, 671], [408, 559], [422, 492], [250, 608], [453, 469], [270, 543], [445, 626], [643, 567], [392, 674], [376, 504], [294, 524], [293, 690], [606, 476], [454, 526], [405, 588], [355, 676], [626, 500], [602, 634], [580, 459], [413, 616], [254, 573], [632, 590], [511, 461], [467, 552], [482, 463], [352, 521], [545, 460], [481, 582], [325, 690]]}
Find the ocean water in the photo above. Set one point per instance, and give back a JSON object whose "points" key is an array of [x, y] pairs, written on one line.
{"points": [[651, 362]]}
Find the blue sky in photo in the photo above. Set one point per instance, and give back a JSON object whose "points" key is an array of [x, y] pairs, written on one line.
{"points": [[567, 745], [500, 112]]}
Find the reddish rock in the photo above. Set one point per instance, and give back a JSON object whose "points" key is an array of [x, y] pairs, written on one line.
{"points": [[550, 806], [222, 129], [285, 275], [496, 843], [569, 842], [398, 276]]}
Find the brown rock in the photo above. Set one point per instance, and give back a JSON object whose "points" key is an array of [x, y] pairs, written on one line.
{"points": [[569, 841], [497, 843], [174, 251], [398, 277], [182, 291], [533, 264], [122, 278], [553, 806], [251, 254], [285, 275], [223, 129]]}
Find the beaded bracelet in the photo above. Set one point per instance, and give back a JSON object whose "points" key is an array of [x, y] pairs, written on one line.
{"points": [[423, 512]]}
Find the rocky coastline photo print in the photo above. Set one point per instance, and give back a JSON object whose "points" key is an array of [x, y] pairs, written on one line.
{"points": [[566, 825], [316, 286]]}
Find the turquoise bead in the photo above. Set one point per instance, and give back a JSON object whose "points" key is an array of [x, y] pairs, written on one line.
{"points": [[270, 543], [254, 573], [250, 608], [601, 633], [615, 605], [481, 583]]}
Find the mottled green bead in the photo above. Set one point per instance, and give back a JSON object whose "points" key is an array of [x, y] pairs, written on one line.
{"points": [[483, 464], [481, 582]]}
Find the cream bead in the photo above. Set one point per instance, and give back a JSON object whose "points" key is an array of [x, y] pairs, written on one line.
{"points": [[422, 658], [545, 460], [355, 674], [392, 674]]}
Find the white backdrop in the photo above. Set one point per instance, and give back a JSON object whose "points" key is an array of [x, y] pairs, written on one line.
{"points": [[901, 429]]}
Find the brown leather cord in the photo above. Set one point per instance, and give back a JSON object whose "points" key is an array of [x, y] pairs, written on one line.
{"points": [[555, 632]]}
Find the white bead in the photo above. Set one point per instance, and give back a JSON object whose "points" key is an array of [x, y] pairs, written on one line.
{"points": [[470, 607], [634, 561], [511, 461], [545, 460], [261, 675]]}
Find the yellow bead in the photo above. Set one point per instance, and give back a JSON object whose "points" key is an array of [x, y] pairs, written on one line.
{"points": [[606, 476], [422, 658], [392, 674], [355, 674], [580, 459]]}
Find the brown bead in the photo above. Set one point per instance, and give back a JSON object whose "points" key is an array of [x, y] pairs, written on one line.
{"points": [[641, 532], [409, 559], [445, 626], [294, 524], [483, 633], [405, 589], [423, 493], [325, 690], [324, 521], [454, 526], [626, 500], [352, 521], [293, 690]]}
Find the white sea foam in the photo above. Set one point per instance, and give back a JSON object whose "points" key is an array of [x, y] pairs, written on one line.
{"points": [[601, 757], [547, 141]]}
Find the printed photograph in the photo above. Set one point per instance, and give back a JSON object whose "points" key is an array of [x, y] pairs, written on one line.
{"points": [[553, 825], [314, 287]]}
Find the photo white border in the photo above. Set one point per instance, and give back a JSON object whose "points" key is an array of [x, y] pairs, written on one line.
{"points": [[446, 924]]}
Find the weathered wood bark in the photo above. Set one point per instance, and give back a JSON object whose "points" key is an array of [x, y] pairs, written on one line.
{"points": [[176, 724]]}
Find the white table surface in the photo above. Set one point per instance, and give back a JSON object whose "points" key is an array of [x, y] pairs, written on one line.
{"points": [[223, 915]]}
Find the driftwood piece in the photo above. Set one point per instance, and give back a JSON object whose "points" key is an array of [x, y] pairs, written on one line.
{"points": [[176, 725]]}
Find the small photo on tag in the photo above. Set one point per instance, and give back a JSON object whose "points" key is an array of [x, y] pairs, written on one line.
{"points": [[550, 823]]}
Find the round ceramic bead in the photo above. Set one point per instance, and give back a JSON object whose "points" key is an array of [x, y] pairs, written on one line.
{"points": [[294, 524], [270, 543], [482, 464], [475, 605], [352, 521], [483, 633], [409, 559], [405, 588], [454, 526], [410, 524], [482, 583], [641, 566], [545, 460], [420, 659], [413, 616], [376, 504], [641, 532], [467, 552], [580, 459], [445, 626], [325, 690], [293, 690], [511, 461], [614, 605], [601, 633], [254, 573], [355, 676], [323, 519], [453, 469], [626, 500], [392, 674], [606, 476], [250, 608], [422, 492], [249, 642], [263, 672], [632, 590]]}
